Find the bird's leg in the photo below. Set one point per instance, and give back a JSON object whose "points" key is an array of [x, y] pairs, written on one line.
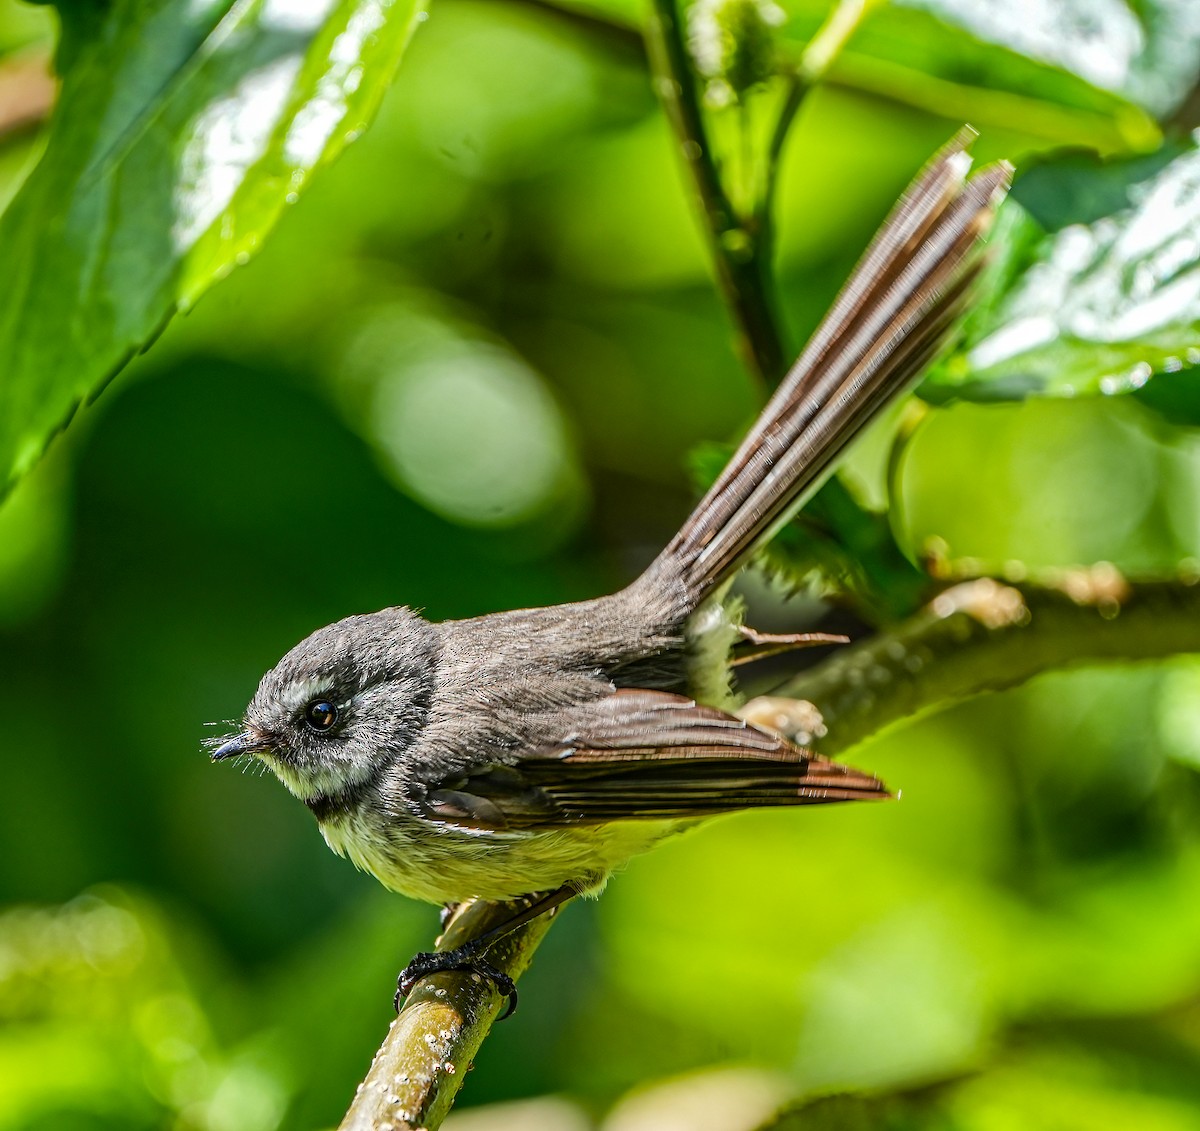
{"points": [[764, 644], [469, 956], [446, 913]]}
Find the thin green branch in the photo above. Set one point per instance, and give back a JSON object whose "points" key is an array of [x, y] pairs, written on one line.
{"points": [[793, 99], [741, 245], [428, 1050], [831, 37], [986, 635], [984, 106]]}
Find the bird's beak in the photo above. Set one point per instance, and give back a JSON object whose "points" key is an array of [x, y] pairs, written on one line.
{"points": [[244, 743]]}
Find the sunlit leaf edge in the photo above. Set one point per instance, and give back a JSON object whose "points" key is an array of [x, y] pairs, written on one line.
{"points": [[34, 406]]}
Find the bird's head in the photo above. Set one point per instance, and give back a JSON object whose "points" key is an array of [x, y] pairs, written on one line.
{"points": [[341, 704]]}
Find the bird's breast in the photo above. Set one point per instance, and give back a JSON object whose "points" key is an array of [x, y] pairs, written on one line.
{"points": [[444, 864]]}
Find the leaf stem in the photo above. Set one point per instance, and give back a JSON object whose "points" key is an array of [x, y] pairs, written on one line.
{"points": [[830, 39]]}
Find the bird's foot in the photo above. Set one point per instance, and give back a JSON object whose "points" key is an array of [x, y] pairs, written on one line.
{"points": [[464, 958], [469, 956]]}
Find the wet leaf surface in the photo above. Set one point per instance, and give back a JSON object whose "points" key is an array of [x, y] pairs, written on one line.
{"points": [[1079, 303], [182, 132]]}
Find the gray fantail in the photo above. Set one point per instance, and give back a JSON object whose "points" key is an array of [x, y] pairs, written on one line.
{"points": [[531, 753]]}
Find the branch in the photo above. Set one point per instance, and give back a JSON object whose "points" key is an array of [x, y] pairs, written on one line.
{"points": [[986, 635], [429, 1048], [976, 636]]}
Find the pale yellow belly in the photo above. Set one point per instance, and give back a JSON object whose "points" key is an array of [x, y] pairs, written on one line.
{"points": [[441, 864]]}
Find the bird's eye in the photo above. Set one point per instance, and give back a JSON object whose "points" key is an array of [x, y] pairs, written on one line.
{"points": [[320, 714]]}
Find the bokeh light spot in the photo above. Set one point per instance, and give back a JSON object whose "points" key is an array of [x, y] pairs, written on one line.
{"points": [[473, 434]]}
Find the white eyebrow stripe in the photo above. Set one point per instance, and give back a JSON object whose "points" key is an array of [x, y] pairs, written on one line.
{"points": [[297, 694]]}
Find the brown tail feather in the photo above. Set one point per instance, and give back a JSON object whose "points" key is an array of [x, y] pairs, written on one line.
{"points": [[891, 318]]}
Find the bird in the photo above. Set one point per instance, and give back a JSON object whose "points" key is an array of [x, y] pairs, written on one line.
{"points": [[524, 756]]}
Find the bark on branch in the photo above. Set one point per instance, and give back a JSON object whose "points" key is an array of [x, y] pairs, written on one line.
{"points": [[987, 635], [428, 1050]]}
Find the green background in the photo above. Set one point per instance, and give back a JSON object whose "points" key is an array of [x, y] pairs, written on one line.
{"points": [[465, 374]]}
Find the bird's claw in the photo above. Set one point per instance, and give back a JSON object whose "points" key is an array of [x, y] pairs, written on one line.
{"points": [[433, 962]]}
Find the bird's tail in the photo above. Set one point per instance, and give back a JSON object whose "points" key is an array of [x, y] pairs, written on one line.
{"points": [[892, 317]]}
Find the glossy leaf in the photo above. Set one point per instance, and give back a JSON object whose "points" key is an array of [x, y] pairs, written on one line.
{"points": [[182, 132], [931, 56], [1094, 306], [1148, 52]]}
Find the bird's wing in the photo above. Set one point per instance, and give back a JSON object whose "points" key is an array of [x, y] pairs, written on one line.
{"points": [[643, 755]]}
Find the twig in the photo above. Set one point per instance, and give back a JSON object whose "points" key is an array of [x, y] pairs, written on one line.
{"points": [[429, 1048], [984, 106], [741, 248], [830, 39], [987, 635]]}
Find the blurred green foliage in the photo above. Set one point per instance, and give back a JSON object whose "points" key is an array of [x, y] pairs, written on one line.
{"points": [[466, 373]]}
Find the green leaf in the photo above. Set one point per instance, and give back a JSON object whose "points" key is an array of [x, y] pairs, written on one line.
{"points": [[1079, 302], [1148, 51], [950, 60], [1078, 188], [183, 131]]}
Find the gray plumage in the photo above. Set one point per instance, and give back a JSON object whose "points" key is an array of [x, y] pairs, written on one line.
{"points": [[528, 750]]}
